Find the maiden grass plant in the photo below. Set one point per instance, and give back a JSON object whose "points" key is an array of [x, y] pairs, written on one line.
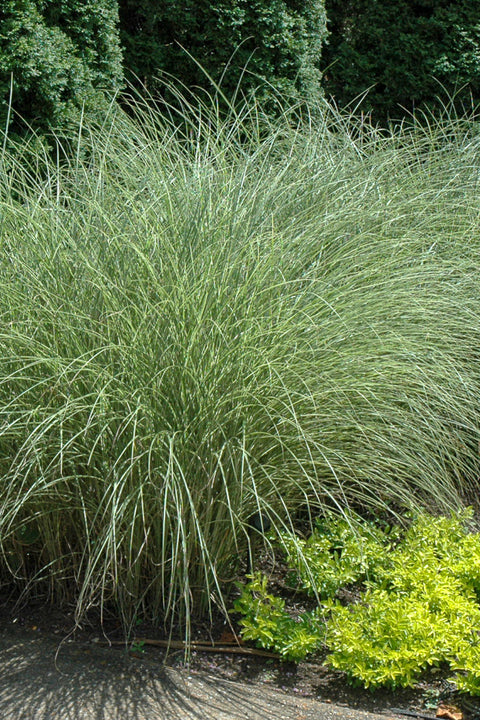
{"points": [[206, 316]]}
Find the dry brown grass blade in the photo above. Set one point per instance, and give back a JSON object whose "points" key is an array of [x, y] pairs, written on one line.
{"points": [[199, 646]]}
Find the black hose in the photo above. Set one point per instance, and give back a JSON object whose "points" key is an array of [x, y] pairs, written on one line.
{"points": [[256, 523]]}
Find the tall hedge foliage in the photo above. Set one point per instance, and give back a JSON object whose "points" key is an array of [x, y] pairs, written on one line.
{"points": [[278, 41], [412, 51], [61, 54]]}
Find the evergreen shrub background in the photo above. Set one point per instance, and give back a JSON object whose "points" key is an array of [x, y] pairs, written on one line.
{"points": [[62, 54], [278, 41], [408, 50]]}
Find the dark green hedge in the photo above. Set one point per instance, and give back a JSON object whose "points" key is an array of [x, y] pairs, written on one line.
{"points": [[277, 40], [61, 54], [408, 49]]}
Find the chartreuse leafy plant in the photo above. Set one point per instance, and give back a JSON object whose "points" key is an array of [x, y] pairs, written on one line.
{"points": [[339, 552], [419, 607], [266, 621]]}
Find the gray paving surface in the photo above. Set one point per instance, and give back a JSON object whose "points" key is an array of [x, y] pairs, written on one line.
{"points": [[41, 679]]}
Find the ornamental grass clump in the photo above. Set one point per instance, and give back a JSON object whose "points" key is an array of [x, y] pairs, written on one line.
{"points": [[204, 317]]}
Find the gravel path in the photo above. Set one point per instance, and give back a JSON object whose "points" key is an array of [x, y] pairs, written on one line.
{"points": [[45, 678]]}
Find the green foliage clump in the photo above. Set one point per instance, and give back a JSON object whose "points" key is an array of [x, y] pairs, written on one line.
{"points": [[388, 641], [61, 57], [408, 53], [337, 553], [275, 41], [421, 610], [266, 621], [419, 607]]}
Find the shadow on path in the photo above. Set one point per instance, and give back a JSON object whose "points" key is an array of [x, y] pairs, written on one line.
{"points": [[84, 681]]}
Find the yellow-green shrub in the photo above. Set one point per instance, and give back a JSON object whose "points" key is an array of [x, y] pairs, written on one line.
{"points": [[419, 606]]}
